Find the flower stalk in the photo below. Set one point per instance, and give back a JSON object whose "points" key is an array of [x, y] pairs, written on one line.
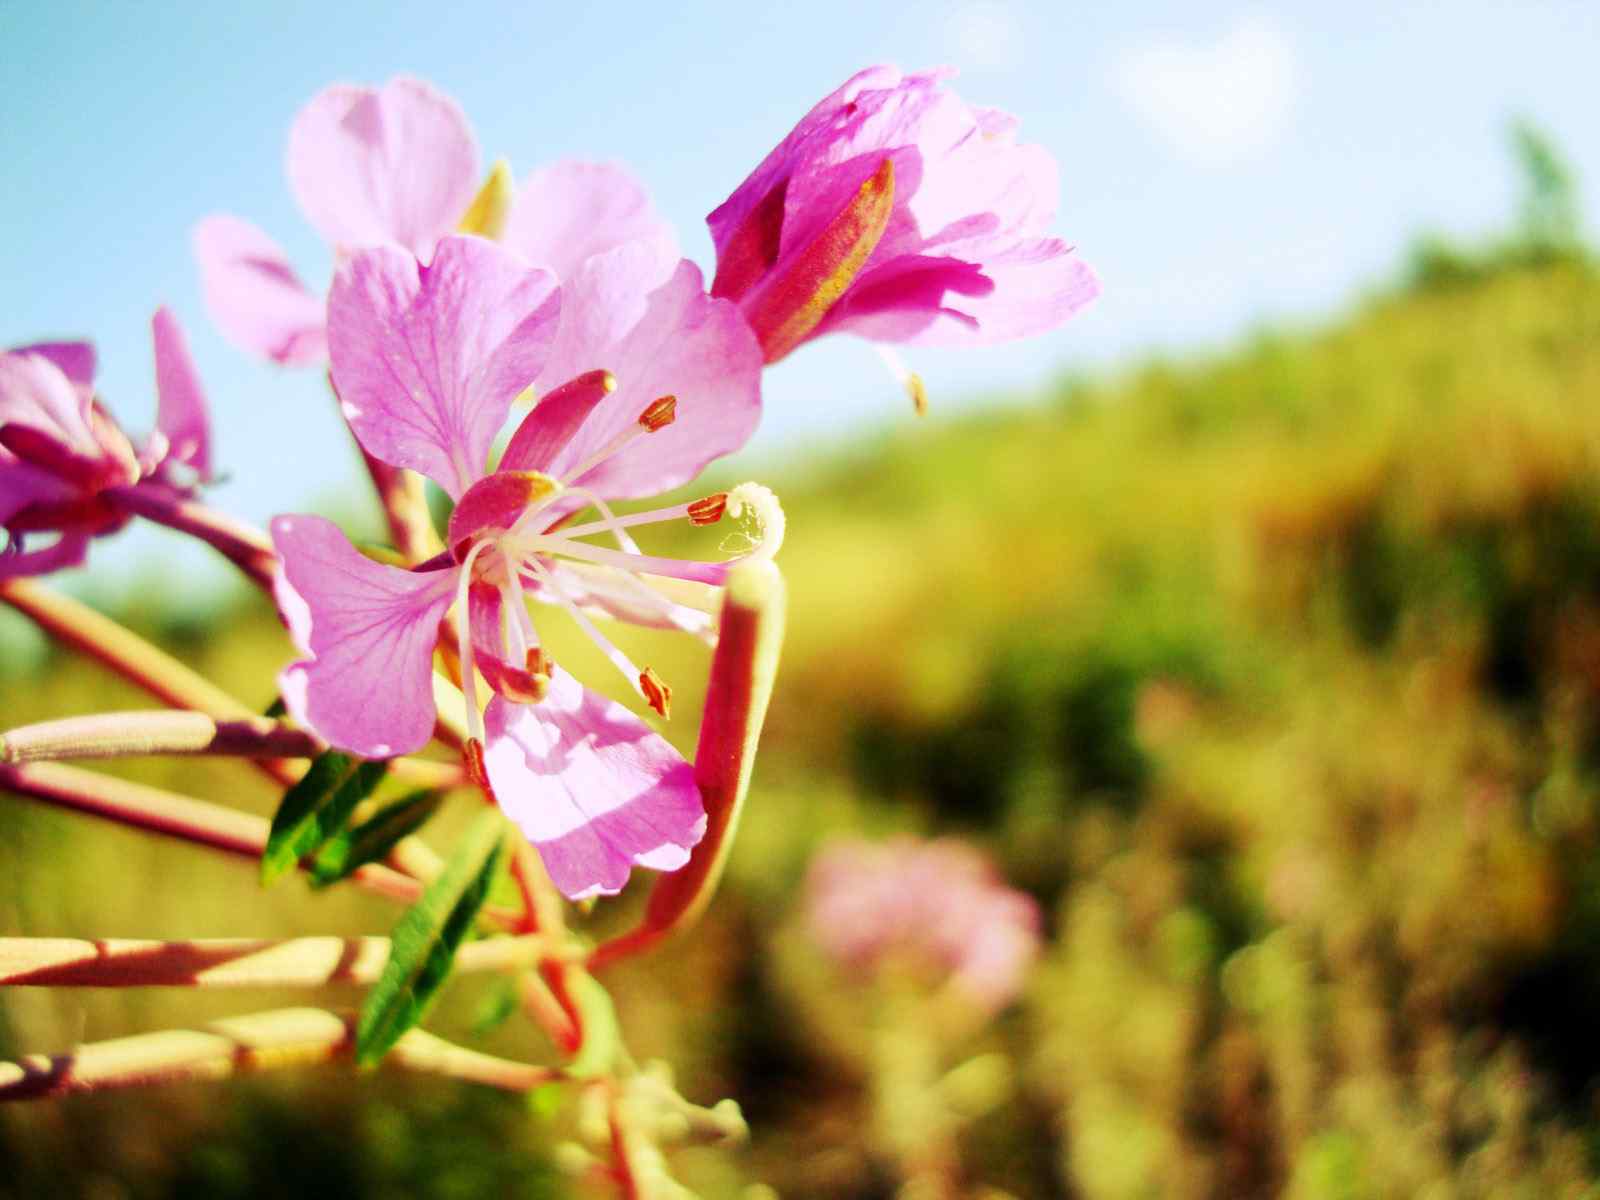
{"points": [[743, 671], [240, 1045], [135, 734], [142, 807], [233, 962], [245, 547]]}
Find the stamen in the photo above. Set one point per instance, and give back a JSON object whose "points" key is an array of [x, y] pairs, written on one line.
{"points": [[618, 659], [766, 513], [469, 674], [657, 416], [656, 692], [908, 379], [477, 769], [708, 510], [661, 413]]}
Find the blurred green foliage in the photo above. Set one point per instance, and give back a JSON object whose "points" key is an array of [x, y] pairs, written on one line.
{"points": [[1276, 676]]}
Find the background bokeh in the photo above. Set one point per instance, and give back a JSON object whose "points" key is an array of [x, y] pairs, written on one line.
{"points": [[1251, 623]]}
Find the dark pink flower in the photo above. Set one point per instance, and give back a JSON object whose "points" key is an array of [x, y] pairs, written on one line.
{"points": [[642, 380], [937, 906], [897, 212], [63, 457]]}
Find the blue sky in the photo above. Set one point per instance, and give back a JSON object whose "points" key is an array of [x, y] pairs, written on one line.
{"points": [[1220, 165]]}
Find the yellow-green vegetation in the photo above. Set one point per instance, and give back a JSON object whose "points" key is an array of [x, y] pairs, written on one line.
{"points": [[1276, 678]]}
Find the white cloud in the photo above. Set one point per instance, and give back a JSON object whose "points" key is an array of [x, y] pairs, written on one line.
{"points": [[1216, 104], [985, 35]]}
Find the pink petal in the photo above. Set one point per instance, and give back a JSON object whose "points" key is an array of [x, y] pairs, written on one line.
{"points": [[75, 360], [36, 396], [24, 485], [570, 211], [657, 341], [68, 550], [181, 401], [593, 788], [369, 631], [621, 596], [370, 166], [510, 679], [254, 296], [427, 359], [1027, 288]]}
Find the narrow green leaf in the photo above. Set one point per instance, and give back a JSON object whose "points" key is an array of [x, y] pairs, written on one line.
{"points": [[276, 709], [424, 942], [316, 808], [370, 841]]}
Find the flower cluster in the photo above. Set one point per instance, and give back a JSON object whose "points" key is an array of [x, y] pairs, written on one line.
{"points": [[893, 211], [67, 470], [936, 907]]}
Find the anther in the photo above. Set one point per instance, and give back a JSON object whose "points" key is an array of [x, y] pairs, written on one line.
{"points": [[661, 413], [708, 510], [477, 770], [656, 692], [919, 394]]}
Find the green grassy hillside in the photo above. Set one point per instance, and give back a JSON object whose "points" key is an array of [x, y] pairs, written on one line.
{"points": [[1275, 676]]}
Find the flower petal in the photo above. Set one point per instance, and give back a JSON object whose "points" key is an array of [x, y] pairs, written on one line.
{"points": [[254, 296], [68, 550], [593, 788], [369, 631], [181, 401], [670, 339], [570, 211], [75, 360], [370, 166], [427, 359]]}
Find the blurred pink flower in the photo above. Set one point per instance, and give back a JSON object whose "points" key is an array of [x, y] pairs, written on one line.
{"points": [[63, 458], [427, 360], [399, 166], [937, 905], [897, 212]]}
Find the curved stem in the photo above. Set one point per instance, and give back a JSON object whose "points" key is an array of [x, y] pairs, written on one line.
{"points": [[245, 546], [157, 811], [135, 734], [261, 1041], [232, 962]]}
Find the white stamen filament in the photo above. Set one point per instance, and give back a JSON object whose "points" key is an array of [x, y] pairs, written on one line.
{"points": [[614, 446], [469, 674], [613, 524], [617, 658]]}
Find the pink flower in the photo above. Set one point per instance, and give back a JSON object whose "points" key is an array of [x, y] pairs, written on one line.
{"points": [[399, 166], [64, 460], [937, 905], [427, 360], [897, 212]]}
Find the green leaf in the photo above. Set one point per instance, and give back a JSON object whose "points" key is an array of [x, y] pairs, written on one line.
{"points": [[370, 841], [276, 709], [424, 942], [316, 808]]}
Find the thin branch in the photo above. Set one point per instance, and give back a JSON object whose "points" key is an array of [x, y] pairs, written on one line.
{"points": [[232, 962], [134, 734], [246, 547], [261, 1041], [130, 656], [225, 829]]}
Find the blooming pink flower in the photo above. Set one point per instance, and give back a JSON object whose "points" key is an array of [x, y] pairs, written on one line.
{"points": [[643, 381], [937, 905], [897, 212], [398, 166], [63, 458]]}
